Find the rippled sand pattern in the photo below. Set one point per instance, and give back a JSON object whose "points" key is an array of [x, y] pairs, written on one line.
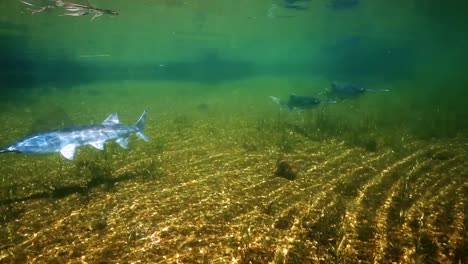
{"points": [[205, 192]]}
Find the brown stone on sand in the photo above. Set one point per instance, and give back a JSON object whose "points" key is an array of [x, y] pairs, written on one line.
{"points": [[286, 169]]}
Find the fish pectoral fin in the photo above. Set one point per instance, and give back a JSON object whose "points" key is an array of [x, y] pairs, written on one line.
{"points": [[142, 136], [96, 15], [112, 119], [68, 151], [98, 144], [123, 142], [275, 99]]}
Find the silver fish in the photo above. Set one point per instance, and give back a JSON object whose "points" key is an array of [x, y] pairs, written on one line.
{"points": [[67, 140], [297, 102]]}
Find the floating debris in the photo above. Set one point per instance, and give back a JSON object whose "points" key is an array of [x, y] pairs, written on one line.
{"points": [[72, 9]]}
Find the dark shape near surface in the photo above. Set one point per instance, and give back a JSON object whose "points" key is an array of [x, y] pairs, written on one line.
{"points": [[210, 68], [359, 56], [343, 4], [19, 70], [296, 4], [286, 169]]}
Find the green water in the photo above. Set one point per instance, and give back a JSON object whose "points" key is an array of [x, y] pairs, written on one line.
{"points": [[381, 176], [413, 48]]}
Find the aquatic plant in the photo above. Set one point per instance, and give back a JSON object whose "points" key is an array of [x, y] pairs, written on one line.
{"points": [[285, 142]]}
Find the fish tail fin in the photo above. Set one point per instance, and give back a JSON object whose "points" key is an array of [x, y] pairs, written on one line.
{"points": [[276, 100], [4, 151], [140, 126]]}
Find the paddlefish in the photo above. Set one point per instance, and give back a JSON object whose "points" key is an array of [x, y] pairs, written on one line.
{"points": [[67, 140], [300, 103], [348, 90]]}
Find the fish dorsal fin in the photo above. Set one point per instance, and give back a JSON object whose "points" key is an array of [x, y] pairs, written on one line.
{"points": [[68, 151], [123, 142], [98, 144], [112, 119]]}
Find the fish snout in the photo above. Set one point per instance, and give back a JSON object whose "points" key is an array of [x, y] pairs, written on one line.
{"points": [[9, 149]]}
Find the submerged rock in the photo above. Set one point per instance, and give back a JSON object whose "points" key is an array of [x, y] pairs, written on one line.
{"points": [[286, 169]]}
